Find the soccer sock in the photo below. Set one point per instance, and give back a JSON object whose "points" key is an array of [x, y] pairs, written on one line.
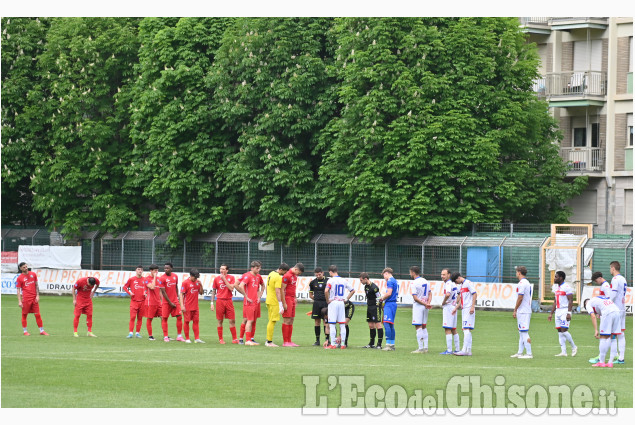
{"points": [[605, 343], [343, 333], [425, 337], [467, 340], [186, 329], [613, 348], [457, 342], [333, 333], [317, 332], [326, 331], [390, 333], [75, 323], [270, 327], [347, 334], [521, 343], [621, 343], [89, 322], [242, 330], [373, 333], [219, 330], [380, 336], [253, 329], [139, 323], [195, 328], [284, 333], [149, 325], [526, 342], [563, 342], [290, 332], [23, 320], [248, 335], [233, 331], [131, 324], [164, 326], [448, 342], [179, 324], [569, 338], [420, 338], [38, 320]]}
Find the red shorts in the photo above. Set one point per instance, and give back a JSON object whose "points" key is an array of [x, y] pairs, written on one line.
{"points": [[151, 311], [191, 315], [136, 308], [290, 311], [251, 311], [30, 306], [225, 308], [167, 311], [86, 309]]}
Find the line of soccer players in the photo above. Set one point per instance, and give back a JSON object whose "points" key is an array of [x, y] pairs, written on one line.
{"points": [[158, 296]]}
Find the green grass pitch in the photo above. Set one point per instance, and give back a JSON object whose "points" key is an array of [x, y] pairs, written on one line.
{"points": [[112, 371]]}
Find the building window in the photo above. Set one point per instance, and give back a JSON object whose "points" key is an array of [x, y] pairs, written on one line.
{"points": [[579, 137], [629, 130], [595, 135]]}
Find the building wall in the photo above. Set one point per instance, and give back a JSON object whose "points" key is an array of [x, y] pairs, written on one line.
{"points": [[567, 56], [622, 64], [620, 141]]}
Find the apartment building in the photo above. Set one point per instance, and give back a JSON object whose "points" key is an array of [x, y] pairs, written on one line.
{"points": [[586, 75]]}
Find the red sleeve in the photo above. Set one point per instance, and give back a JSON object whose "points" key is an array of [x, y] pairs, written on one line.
{"points": [[126, 287], [215, 283], [184, 288]]}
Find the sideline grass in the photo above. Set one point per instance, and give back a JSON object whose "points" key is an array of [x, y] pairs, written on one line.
{"points": [[112, 371]]}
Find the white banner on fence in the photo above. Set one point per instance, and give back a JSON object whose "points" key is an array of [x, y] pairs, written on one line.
{"points": [[594, 291], [490, 295], [51, 257], [9, 262]]}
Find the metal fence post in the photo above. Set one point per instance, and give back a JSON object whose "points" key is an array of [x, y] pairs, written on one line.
{"points": [[155, 236], [511, 229], [281, 253], [248, 253], [461, 253], [315, 250], [216, 251], [184, 254], [123, 248], [386, 254], [350, 257], [33, 237]]}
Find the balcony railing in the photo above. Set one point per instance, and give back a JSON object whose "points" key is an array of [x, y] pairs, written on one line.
{"points": [[533, 20], [584, 159], [571, 83]]}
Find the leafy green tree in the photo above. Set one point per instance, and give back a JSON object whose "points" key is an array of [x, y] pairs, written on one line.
{"points": [[274, 95], [24, 127], [439, 128], [179, 156]]}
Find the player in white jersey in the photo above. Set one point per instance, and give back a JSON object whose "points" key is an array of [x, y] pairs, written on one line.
{"points": [[605, 291], [450, 298], [334, 293], [522, 313], [421, 298], [609, 325], [562, 306], [618, 296], [467, 292]]}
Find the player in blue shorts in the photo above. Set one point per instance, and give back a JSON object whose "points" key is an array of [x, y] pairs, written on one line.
{"points": [[390, 307]]}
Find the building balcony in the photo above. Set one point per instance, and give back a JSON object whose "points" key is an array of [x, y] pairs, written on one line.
{"points": [[583, 159], [568, 23], [535, 25], [572, 88]]}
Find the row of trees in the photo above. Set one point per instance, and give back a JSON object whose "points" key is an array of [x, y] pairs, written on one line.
{"points": [[282, 127]]}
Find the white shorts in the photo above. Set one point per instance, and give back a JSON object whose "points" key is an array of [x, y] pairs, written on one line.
{"points": [[449, 319], [467, 318], [561, 318], [419, 315], [337, 312], [623, 320], [610, 324], [523, 320]]}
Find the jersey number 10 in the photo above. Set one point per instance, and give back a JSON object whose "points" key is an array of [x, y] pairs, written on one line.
{"points": [[339, 290]]}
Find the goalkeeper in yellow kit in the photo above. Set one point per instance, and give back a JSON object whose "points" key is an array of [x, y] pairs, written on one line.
{"points": [[274, 305]]}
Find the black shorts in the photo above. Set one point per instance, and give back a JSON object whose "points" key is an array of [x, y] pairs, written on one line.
{"points": [[316, 313], [374, 314], [349, 311]]}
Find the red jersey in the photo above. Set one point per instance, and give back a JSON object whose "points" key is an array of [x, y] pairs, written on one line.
{"points": [[289, 279], [136, 287], [84, 290], [170, 284], [222, 291], [189, 290], [252, 284], [26, 282], [154, 295]]}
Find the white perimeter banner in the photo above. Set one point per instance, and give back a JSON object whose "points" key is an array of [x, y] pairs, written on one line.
{"points": [[51, 257], [594, 291]]}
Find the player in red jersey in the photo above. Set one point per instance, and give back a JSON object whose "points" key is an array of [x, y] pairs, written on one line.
{"points": [[169, 284], [252, 287], [153, 300], [188, 298], [289, 283], [83, 292], [29, 297], [136, 288], [222, 289]]}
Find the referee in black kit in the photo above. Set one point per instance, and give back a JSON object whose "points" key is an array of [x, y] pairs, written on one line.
{"points": [[316, 292]]}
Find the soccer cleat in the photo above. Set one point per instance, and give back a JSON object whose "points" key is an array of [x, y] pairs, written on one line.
{"points": [[75, 335], [26, 334], [468, 353], [234, 341], [293, 344], [221, 341], [241, 342], [343, 347], [368, 346], [166, 339], [446, 352], [199, 341], [618, 361], [46, 334], [574, 351], [389, 348], [425, 350], [251, 343], [187, 341], [91, 334], [270, 344], [526, 356], [151, 338], [598, 364], [378, 347], [460, 353], [594, 360], [317, 343], [609, 365], [330, 347], [180, 338], [515, 356], [129, 335], [418, 351], [563, 354], [138, 335]]}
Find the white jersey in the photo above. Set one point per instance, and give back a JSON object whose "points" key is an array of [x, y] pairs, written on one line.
{"points": [[561, 292], [337, 288], [605, 289], [618, 291], [601, 306], [419, 288], [525, 289], [449, 287], [467, 290]]}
